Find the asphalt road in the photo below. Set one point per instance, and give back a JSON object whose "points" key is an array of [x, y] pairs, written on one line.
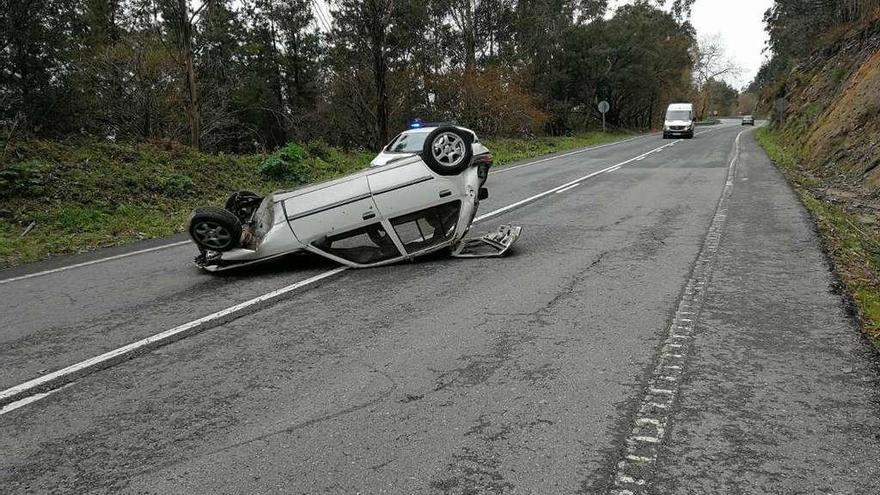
{"points": [[534, 373]]}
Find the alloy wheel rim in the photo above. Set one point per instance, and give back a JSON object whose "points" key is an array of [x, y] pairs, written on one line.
{"points": [[448, 149], [212, 234]]}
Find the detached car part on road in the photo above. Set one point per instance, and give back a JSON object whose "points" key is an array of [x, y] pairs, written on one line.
{"points": [[419, 195]]}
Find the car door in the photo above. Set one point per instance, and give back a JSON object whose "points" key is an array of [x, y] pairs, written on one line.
{"points": [[421, 206], [341, 220], [410, 186], [335, 208]]}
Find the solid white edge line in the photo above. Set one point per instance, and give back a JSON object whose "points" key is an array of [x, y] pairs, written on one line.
{"points": [[93, 262], [169, 335], [29, 399], [158, 338]]}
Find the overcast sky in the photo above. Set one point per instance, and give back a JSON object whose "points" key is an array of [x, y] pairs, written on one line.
{"points": [[740, 26]]}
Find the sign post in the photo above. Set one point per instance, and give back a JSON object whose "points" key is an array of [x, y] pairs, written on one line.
{"points": [[781, 105], [603, 108]]}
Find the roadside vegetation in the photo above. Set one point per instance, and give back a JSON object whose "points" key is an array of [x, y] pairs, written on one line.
{"points": [[62, 198], [849, 232], [821, 95]]}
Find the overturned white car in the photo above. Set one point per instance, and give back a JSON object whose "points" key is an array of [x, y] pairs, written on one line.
{"points": [[419, 195]]}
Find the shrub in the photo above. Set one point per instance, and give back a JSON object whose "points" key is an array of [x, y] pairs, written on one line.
{"points": [[23, 179], [176, 186], [319, 149], [288, 163]]}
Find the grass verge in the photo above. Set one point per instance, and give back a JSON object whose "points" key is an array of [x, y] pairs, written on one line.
{"points": [[853, 245], [506, 151], [64, 198]]}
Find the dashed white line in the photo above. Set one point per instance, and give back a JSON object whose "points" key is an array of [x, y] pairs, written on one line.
{"points": [[577, 152], [536, 197], [569, 188], [650, 424], [646, 439]]}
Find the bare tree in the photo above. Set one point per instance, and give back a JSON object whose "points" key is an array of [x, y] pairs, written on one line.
{"points": [[711, 63]]}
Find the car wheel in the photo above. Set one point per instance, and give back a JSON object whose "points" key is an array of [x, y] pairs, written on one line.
{"points": [[215, 229], [242, 204], [448, 150]]}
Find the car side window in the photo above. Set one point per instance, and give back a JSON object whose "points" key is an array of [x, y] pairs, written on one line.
{"points": [[407, 142], [388, 146]]}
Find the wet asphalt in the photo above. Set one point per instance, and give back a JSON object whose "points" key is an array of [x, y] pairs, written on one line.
{"points": [[513, 375]]}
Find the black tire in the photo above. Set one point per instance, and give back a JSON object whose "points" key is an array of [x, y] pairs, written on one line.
{"points": [[214, 229], [690, 135], [449, 157], [665, 136], [242, 204]]}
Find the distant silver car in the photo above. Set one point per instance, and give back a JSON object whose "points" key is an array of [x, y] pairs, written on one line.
{"points": [[419, 195], [748, 120]]}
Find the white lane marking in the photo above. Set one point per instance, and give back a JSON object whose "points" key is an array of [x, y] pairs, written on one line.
{"points": [[93, 262], [646, 439], [538, 196], [157, 339], [631, 480], [97, 362], [650, 424], [569, 188], [27, 400], [542, 160]]}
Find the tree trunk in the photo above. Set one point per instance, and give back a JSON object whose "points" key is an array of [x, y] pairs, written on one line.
{"points": [[380, 69], [193, 110], [470, 42]]}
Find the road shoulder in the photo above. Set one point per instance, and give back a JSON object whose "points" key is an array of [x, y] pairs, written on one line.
{"points": [[780, 393]]}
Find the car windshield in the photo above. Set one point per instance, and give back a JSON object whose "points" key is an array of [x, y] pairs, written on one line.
{"points": [[408, 142], [678, 115]]}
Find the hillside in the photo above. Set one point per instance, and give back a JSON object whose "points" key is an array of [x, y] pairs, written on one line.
{"points": [[826, 139], [833, 103]]}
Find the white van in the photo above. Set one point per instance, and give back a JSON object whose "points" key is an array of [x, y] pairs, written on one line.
{"points": [[679, 121]]}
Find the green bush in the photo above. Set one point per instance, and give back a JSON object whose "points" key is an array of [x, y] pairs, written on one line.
{"points": [[320, 149], [176, 186], [23, 179], [288, 163]]}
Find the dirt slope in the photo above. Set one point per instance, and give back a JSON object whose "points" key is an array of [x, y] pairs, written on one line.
{"points": [[833, 111]]}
